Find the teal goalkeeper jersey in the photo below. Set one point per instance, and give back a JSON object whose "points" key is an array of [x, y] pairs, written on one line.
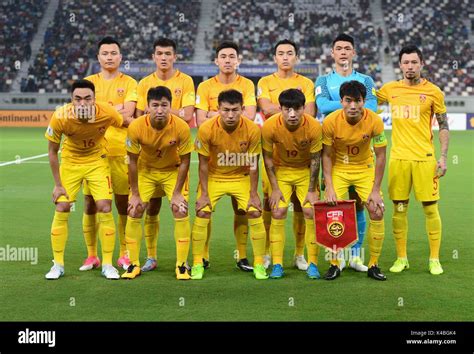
{"points": [[327, 91]]}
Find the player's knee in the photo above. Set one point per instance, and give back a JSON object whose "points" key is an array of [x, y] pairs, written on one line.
{"points": [[254, 214], [203, 214], [63, 207], [279, 213], [104, 206], [154, 206], [308, 213], [375, 216], [89, 205], [178, 214]]}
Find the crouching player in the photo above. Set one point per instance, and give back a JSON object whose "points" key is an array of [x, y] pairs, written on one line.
{"points": [[229, 146], [159, 146], [347, 134]]}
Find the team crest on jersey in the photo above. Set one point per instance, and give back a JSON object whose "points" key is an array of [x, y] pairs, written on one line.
{"points": [[172, 142], [243, 146], [177, 92], [102, 130], [304, 143], [335, 223], [120, 92], [365, 137], [422, 98]]}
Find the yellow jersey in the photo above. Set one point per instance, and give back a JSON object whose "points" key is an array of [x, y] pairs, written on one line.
{"points": [[231, 155], [412, 109], [84, 142], [209, 90], [159, 149], [180, 85], [351, 143], [272, 85], [292, 149], [121, 89]]}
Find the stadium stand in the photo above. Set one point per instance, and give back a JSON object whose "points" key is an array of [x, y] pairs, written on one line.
{"points": [[442, 35], [70, 42], [19, 21], [257, 25]]}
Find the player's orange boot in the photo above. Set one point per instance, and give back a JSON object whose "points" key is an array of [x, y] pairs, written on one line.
{"points": [[132, 272]]}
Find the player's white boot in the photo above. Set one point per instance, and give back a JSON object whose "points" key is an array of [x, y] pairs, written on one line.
{"points": [[357, 264], [56, 271], [110, 272], [301, 263]]}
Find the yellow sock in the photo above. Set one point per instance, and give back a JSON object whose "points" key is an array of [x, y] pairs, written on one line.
{"points": [[299, 232], [90, 234], [199, 236], [258, 237], [59, 233], [208, 238], [182, 237], [241, 231], [267, 221], [433, 229], [107, 236], [277, 240], [133, 237], [400, 228], [121, 234], [376, 235], [310, 238], [152, 227]]}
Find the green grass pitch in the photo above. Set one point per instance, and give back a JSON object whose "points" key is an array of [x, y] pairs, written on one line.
{"points": [[225, 293]]}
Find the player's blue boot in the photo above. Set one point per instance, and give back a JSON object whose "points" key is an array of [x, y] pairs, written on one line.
{"points": [[313, 271], [277, 272]]}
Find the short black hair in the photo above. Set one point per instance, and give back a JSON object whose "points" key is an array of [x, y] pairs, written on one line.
{"points": [[82, 84], [343, 37], [409, 49], [230, 96], [285, 41], [157, 93], [227, 44], [353, 89], [292, 98], [164, 42], [107, 40]]}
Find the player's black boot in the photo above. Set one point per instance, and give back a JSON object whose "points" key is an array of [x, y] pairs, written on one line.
{"points": [[333, 272], [205, 263], [374, 272], [244, 265]]}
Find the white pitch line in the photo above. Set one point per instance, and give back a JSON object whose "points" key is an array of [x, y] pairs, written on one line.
{"points": [[19, 161]]}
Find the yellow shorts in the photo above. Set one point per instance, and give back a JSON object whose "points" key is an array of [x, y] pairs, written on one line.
{"points": [[422, 175], [119, 174], [266, 186], [217, 188], [152, 183], [292, 180], [97, 176], [362, 181]]}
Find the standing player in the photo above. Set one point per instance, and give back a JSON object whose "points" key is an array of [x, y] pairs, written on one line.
{"points": [[159, 145], [227, 59], [120, 91], [347, 134], [182, 105], [285, 55], [328, 100], [413, 101], [83, 124], [292, 153], [228, 145]]}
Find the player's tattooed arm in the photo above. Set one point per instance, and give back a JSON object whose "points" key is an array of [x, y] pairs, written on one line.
{"points": [[444, 142], [314, 171]]}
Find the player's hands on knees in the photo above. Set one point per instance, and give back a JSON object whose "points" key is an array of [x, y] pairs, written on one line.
{"points": [[135, 205], [202, 202], [59, 191], [179, 203], [254, 201], [311, 198], [375, 203], [330, 196], [441, 167], [275, 198]]}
